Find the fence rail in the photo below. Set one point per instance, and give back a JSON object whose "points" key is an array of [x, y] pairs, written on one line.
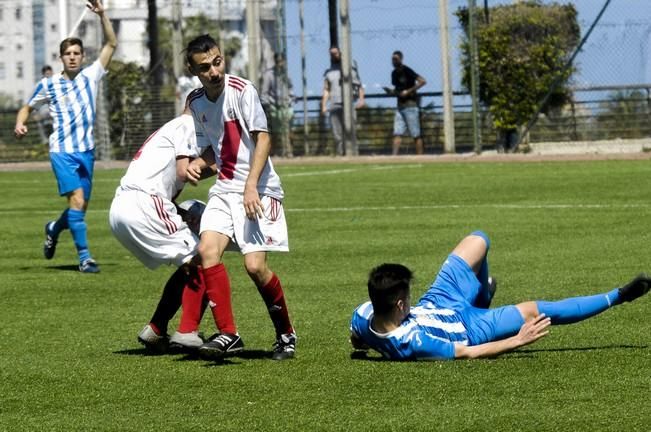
{"points": [[596, 113]]}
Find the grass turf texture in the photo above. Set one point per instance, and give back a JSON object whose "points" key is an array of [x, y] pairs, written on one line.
{"points": [[70, 360]]}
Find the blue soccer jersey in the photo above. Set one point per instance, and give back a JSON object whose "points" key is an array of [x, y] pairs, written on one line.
{"points": [[428, 332], [72, 107]]}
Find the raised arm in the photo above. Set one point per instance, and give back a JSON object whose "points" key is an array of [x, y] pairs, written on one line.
{"points": [[110, 40], [530, 332]]}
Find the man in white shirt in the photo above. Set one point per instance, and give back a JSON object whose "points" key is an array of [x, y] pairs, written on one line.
{"points": [[245, 204]]}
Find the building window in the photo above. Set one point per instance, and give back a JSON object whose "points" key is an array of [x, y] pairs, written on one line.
{"points": [[53, 28], [19, 70], [19, 47], [19, 14], [2, 71]]}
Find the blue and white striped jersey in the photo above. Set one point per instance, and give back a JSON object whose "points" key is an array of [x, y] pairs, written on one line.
{"points": [[72, 108], [428, 332]]}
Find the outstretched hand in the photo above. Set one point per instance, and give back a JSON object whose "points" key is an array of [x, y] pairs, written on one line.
{"points": [[534, 329], [95, 6]]}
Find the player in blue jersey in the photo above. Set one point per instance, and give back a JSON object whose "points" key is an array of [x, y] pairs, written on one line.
{"points": [[452, 319], [71, 97]]}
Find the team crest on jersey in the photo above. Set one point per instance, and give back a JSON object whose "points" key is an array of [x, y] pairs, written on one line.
{"points": [[203, 118], [231, 114]]}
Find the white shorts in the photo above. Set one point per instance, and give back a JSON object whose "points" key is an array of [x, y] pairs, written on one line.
{"points": [[225, 214], [151, 229]]}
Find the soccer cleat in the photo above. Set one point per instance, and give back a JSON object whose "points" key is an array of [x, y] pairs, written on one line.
{"points": [[152, 341], [88, 266], [220, 346], [635, 288], [50, 243], [285, 347], [492, 286], [186, 341]]}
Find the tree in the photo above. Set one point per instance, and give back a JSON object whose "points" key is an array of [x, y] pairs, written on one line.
{"points": [[522, 50], [625, 115], [193, 26], [127, 97]]}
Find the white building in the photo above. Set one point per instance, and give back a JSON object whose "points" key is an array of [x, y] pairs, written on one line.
{"points": [[31, 30]]}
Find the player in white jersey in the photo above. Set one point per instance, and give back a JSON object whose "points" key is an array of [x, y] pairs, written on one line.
{"points": [[452, 320], [245, 204], [144, 218], [72, 99]]}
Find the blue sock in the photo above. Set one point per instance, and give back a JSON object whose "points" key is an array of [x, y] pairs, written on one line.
{"points": [[77, 226], [60, 224], [577, 309], [484, 296]]}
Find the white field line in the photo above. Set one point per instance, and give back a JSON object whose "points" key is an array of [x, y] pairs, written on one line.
{"points": [[285, 175], [408, 207]]}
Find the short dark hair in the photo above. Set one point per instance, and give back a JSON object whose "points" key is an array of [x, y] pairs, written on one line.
{"points": [[397, 53], [386, 284], [45, 69], [68, 42], [200, 44]]}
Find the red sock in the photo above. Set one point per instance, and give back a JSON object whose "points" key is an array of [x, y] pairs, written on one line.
{"points": [[274, 298], [218, 290], [192, 304], [155, 328]]}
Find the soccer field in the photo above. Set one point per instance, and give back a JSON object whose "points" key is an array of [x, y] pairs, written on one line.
{"points": [[70, 360]]}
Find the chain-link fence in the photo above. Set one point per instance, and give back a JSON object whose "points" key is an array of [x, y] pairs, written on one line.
{"points": [[610, 88]]}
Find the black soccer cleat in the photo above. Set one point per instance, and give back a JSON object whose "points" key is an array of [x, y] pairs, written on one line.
{"points": [[221, 345], [50, 243], [285, 347], [635, 288]]}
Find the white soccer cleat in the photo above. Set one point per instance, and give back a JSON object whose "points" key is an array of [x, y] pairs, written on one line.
{"points": [[151, 340], [189, 341]]}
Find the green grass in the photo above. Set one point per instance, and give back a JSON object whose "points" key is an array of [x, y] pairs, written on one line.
{"points": [[69, 359]]}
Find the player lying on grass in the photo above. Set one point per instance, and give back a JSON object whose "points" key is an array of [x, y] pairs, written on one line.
{"points": [[452, 319], [146, 220]]}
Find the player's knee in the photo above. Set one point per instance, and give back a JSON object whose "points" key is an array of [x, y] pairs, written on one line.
{"points": [[208, 252], [528, 310], [256, 268], [483, 235]]}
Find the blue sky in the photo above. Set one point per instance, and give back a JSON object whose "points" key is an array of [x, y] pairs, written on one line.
{"points": [[618, 52]]}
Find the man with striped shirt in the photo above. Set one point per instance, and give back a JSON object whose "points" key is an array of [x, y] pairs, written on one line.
{"points": [[71, 97], [452, 320]]}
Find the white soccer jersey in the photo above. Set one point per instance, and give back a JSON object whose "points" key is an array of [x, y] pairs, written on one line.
{"points": [[226, 125], [72, 105], [153, 169]]}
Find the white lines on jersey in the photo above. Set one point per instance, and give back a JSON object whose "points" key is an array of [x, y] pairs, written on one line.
{"points": [[349, 170], [406, 207]]}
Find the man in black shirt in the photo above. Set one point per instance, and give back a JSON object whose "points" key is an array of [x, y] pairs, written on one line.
{"points": [[405, 84]]}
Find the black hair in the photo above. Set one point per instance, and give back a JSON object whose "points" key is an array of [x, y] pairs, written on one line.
{"points": [[386, 284], [200, 44], [397, 53], [45, 69]]}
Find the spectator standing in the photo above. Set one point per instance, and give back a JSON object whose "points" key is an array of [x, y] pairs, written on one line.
{"points": [[277, 99], [332, 98], [405, 83]]}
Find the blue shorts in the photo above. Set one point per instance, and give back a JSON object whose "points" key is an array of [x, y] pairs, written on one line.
{"points": [[456, 287], [407, 119], [74, 171]]}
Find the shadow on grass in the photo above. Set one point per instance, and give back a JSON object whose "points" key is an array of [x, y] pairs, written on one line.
{"points": [[193, 356], [525, 353], [531, 352], [244, 355]]}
